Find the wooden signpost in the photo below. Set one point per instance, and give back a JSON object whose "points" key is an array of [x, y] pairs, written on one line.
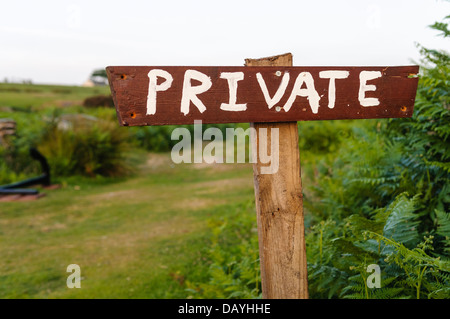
{"points": [[268, 93]]}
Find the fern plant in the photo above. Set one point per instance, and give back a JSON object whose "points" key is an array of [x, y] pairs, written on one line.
{"points": [[233, 258], [385, 197]]}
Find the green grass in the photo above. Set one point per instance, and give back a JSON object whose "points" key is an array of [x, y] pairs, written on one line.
{"points": [[31, 96], [33, 105], [141, 236], [136, 237]]}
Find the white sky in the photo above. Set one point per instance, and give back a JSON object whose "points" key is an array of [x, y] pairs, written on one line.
{"points": [[61, 42]]}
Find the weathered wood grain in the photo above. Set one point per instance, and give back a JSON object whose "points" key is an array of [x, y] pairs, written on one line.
{"points": [[396, 91], [279, 208]]}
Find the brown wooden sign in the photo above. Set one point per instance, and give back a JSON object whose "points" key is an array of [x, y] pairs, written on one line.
{"points": [[146, 95], [266, 90]]}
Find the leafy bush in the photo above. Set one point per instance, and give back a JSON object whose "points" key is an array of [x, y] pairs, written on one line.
{"points": [[96, 148], [382, 197], [83, 146], [15, 160], [385, 201], [158, 138], [339, 253], [324, 137]]}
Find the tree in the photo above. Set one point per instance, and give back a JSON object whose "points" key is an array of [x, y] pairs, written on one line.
{"points": [[99, 77]]}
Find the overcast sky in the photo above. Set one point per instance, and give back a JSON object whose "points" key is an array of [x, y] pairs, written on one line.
{"points": [[61, 42]]}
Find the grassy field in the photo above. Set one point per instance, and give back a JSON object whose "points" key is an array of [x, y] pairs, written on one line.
{"points": [[137, 237], [31, 96], [140, 236]]}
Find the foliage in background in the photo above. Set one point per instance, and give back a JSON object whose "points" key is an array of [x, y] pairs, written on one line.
{"points": [[99, 77], [76, 140], [15, 160], [385, 201], [93, 148], [73, 143], [159, 138], [233, 258], [324, 137], [339, 253], [382, 197]]}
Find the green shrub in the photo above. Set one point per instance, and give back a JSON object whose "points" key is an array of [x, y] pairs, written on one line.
{"points": [[95, 148], [15, 160], [385, 199], [158, 138], [339, 253], [324, 137]]}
